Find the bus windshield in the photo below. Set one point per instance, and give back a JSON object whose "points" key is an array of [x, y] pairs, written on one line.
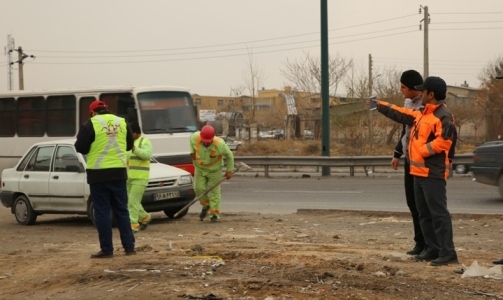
{"points": [[167, 112]]}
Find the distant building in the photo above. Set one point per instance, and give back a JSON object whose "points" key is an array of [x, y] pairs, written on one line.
{"points": [[293, 113], [462, 100]]}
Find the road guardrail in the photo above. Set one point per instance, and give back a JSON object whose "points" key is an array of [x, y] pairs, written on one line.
{"points": [[334, 161]]}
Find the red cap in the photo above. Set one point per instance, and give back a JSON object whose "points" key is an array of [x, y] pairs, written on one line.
{"points": [[207, 134], [95, 104]]}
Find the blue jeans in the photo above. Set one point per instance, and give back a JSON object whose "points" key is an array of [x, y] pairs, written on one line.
{"points": [[106, 196]]}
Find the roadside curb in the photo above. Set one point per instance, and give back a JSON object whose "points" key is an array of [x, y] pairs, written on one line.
{"points": [[380, 213]]}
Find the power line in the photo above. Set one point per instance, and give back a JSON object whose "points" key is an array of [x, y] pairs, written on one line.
{"points": [[450, 29], [208, 57], [443, 60], [464, 22], [227, 44], [472, 13], [228, 50]]}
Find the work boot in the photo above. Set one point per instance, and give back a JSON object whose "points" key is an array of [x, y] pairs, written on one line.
{"points": [[445, 260], [204, 212], [102, 254], [426, 256], [416, 250], [145, 221], [214, 219]]}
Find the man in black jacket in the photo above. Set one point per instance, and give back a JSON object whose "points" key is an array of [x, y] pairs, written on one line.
{"points": [[106, 138], [408, 80]]}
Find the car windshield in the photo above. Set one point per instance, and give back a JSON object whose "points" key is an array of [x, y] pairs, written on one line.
{"points": [[167, 112]]}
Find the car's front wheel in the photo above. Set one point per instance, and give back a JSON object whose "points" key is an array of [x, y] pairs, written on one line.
{"points": [[171, 212], [90, 214], [25, 215]]}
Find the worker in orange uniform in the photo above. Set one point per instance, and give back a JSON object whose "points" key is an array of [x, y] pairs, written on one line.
{"points": [[207, 153], [431, 137]]}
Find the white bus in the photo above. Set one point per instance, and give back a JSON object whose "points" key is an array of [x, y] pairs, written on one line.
{"points": [[167, 116]]}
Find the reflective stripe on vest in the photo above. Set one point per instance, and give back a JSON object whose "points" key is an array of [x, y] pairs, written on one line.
{"points": [[138, 168], [212, 154], [107, 141]]}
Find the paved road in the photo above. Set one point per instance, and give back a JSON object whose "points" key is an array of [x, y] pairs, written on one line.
{"points": [[383, 193]]}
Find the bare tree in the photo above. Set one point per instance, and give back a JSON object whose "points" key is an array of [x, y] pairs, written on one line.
{"points": [[490, 98], [386, 87], [463, 115], [253, 78], [305, 74]]}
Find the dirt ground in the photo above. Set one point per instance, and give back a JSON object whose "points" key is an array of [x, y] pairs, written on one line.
{"points": [[306, 255]]}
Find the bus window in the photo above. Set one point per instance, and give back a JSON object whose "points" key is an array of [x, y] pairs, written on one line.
{"points": [[84, 103], [31, 116], [163, 112], [119, 103], [61, 115], [7, 117]]}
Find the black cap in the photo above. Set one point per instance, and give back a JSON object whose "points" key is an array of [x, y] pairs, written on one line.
{"points": [[411, 78], [434, 84]]}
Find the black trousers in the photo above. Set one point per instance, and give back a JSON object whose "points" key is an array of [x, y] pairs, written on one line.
{"points": [[434, 217], [411, 203]]}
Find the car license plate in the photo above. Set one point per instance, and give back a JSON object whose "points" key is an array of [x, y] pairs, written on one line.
{"points": [[167, 195]]}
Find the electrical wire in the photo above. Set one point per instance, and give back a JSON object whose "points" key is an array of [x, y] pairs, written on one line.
{"points": [[207, 57], [228, 50], [450, 29], [217, 51], [408, 59], [227, 44], [474, 22], [470, 13]]}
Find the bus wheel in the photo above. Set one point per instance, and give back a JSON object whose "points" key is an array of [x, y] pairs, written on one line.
{"points": [[171, 213], [25, 215], [90, 214]]}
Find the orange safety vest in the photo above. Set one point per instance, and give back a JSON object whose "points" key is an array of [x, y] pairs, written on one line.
{"points": [[198, 160]]}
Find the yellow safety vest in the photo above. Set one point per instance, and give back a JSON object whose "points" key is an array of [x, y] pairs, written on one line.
{"points": [[109, 147], [138, 168]]}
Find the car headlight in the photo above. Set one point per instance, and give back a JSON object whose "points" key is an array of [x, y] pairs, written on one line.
{"points": [[185, 179]]}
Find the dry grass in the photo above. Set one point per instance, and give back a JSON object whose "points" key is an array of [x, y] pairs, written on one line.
{"points": [[313, 148]]}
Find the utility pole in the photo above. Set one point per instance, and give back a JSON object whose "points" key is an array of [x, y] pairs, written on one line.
{"points": [[8, 50], [426, 22], [371, 116], [21, 57], [325, 93]]}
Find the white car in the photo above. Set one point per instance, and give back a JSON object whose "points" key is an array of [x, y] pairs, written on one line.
{"points": [[51, 179], [233, 144]]}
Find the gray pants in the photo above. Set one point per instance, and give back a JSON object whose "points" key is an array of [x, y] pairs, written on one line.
{"points": [[434, 217]]}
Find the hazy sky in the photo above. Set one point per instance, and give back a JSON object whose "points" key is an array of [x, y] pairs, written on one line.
{"points": [[203, 44]]}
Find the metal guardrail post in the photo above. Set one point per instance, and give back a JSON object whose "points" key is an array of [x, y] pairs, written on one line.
{"points": [[352, 171], [266, 171]]}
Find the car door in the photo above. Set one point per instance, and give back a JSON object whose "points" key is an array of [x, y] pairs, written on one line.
{"points": [[67, 181], [34, 179]]}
